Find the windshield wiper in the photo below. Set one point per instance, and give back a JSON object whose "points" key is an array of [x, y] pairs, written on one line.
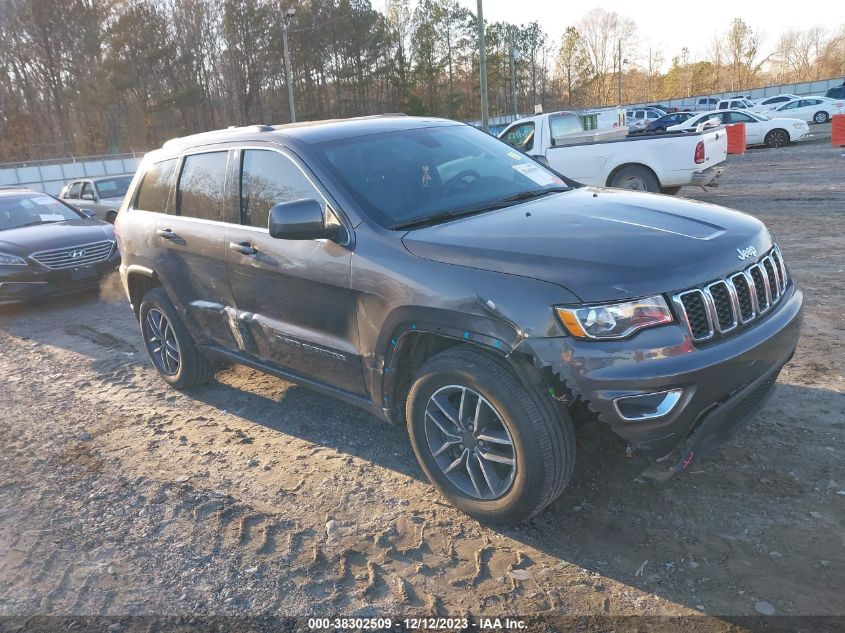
{"points": [[20, 226], [487, 206]]}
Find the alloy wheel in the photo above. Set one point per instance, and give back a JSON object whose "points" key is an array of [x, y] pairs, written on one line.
{"points": [[470, 442], [777, 138], [161, 342], [820, 117]]}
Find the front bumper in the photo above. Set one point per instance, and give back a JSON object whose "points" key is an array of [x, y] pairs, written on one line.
{"points": [[19, 284], [707, 176], [715, 378]]}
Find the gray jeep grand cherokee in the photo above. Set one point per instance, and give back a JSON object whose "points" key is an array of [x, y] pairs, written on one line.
{"points": [[431, 274]]}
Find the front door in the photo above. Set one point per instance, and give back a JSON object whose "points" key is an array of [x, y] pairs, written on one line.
{"points": [[293, 296]]}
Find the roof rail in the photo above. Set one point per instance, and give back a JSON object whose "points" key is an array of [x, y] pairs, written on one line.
{"points": [[212, 133]]}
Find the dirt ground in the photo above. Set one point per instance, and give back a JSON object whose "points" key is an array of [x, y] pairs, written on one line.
{"points": [[251, 495]]}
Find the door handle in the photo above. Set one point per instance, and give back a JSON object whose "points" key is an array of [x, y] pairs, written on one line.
{"points": [[244, 248], [166, 234]]}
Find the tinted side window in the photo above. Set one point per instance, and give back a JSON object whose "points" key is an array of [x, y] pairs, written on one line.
{"points": [[201, 186], [155, 187], [74, 190], [87, 188], [268, 178]]}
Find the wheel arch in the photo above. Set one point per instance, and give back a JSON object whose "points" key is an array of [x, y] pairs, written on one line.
{"points": [[139, 281], [619, 168]]}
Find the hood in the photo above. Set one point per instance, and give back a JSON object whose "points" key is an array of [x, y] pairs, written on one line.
{"points": [[42, 237], [600, 244]]}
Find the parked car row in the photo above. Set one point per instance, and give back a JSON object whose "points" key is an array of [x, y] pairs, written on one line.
{"points": [[759, 129]]}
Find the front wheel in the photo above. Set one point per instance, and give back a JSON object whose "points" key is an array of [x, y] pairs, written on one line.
{"points": [[169, 346], [635, 177], [496, 449], [777, 138], [821, 117]]}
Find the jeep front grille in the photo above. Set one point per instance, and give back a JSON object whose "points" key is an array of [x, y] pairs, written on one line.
{"points": [[722, 306], [74, 256]]}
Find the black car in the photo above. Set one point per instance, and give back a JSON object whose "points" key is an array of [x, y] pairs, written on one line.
{"points": [[660, 125], [49, 248], [429, 273]]}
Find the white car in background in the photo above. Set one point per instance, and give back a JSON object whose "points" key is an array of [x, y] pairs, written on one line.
{"points": [[759, 129], [810, 109], [770, 103]]}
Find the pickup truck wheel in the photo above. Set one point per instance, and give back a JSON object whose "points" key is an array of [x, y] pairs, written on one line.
{"points": [[777, 138], [635, 177], [821, 117], [169, 346], [496, 449]]}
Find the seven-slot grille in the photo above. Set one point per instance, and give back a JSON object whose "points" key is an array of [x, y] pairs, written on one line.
{"points": [[724, 305], [74, 256]]}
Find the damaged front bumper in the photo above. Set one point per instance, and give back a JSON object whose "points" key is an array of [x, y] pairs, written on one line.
{"points": [[715, 388]]}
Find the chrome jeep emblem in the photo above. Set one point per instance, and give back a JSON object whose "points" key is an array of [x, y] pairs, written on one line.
{"points": [[745, 253], [77, 254]]}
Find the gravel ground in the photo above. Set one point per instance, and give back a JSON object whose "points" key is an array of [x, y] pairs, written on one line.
{"points": [[253, 496]]}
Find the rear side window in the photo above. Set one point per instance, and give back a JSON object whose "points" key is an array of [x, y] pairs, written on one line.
{"points": [[267, 179], [201, 186], [155, 187]]}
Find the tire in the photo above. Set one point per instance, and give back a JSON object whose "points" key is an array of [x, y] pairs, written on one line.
{"points": [[821, 117], [777, 138], [635, 177], [178, 361], [542, 439], [111, 216], [670, 191]]}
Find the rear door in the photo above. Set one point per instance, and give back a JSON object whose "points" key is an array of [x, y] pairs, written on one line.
{"points": [[190, 246], [754, 130], [293, 297]]}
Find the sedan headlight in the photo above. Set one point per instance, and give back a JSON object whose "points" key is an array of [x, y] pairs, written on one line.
{"points": [[615, 320], [799, 126], [11, 260]]}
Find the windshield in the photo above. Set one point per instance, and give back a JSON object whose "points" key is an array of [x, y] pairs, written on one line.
{"points": [[19, 210], [113, 187], [405, 177]]}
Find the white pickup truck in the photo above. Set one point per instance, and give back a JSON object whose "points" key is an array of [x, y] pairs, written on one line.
{"points": [[657, 163]]}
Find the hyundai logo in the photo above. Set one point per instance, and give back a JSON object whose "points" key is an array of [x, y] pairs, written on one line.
{"points": [[78, 254]]}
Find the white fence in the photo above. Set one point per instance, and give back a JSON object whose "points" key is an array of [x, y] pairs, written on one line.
{"points": [[799, 89], [50, 176]]}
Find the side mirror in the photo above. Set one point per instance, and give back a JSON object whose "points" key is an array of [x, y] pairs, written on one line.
{"points": [[88, 213], [87, 196], [300, 220]]}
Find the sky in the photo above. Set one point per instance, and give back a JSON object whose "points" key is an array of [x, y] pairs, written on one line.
{"points": [[664, 26]]}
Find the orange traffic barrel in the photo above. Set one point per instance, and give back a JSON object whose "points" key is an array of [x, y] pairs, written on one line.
{"points": [[736, 138], [837, 130]]}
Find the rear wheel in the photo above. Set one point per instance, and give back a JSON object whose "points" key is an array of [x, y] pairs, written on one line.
{"points": [[635, 177], [498, 450], [821, 117], [777, 138], [169, 346]]}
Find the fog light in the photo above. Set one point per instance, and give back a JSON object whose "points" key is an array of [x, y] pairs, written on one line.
{"points": [[647, 406]]}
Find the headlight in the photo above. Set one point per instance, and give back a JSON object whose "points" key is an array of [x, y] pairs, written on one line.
{"points": [[615, 320], [11, 260], [798, 126]]}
